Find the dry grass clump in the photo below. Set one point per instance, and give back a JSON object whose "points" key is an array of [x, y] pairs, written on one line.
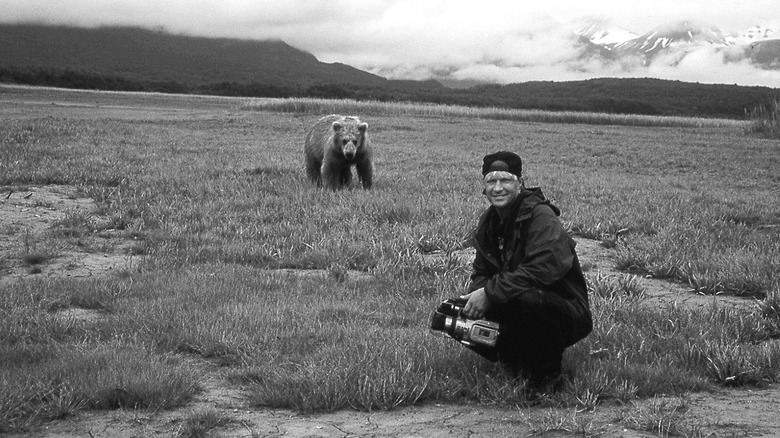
{"points": [[349, 106], [765, 120]]}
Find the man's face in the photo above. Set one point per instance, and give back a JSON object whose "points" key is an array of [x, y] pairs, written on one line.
{"points": [[501, 188]]}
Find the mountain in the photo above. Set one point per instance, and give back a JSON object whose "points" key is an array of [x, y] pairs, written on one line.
{"points": [[676, 36], [632, 96], [148, 55], [599, 32], [757, 44], [134, 59], [765, 53]]}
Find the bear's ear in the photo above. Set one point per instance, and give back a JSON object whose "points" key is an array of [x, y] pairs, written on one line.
{"points": [[336, 126], [363, 127]]}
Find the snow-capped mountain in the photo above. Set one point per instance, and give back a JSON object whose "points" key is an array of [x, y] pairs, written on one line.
{"points": [[597, 32], [679, 38], [680, 35]]}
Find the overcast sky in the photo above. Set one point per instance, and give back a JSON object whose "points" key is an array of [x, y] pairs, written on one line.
{"points": [[497, 40]]}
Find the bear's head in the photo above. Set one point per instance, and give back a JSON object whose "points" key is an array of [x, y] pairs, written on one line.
{"points": [[349, 135]]}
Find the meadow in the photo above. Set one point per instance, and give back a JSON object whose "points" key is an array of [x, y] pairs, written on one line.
{"points": [[214, 192]]}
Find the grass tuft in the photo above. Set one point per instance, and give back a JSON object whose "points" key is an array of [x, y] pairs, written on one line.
{"points": [[201, 424], [662, 417], [765, 120]]}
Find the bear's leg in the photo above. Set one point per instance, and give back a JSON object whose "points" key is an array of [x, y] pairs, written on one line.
{"points": [[331, 176], [313, 171], [346, 176], [365, 173]]}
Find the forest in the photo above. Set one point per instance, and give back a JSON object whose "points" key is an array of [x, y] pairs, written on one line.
{"points": [[644, 96]]}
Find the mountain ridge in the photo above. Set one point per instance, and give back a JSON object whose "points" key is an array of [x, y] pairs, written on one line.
{"points": [[135, 59], [615, 44], [149, 55]]}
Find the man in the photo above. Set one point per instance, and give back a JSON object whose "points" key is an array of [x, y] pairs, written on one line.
{"points": [[526, 276]]}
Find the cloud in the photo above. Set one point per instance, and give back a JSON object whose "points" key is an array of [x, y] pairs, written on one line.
{"points": [[494, 40], [731, 16], [710, 65]]}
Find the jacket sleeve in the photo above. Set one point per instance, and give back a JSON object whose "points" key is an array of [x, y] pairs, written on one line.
{"points": [[548, 258], [480, 272]]}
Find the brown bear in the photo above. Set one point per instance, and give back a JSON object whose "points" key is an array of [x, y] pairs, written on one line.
{"points": [[333, 145]]}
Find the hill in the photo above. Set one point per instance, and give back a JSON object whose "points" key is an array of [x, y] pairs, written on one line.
{"points": [[147, 55], [633, 96], [135, 59]]}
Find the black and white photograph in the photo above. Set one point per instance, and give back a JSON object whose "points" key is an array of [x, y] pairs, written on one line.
{"points": [[389, 218]]}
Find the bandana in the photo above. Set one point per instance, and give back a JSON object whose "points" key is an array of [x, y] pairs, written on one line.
{"points": [[502, 160], [500, 174]]}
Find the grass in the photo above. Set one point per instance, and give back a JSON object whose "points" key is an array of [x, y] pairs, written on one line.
{"points": [[765, 120], [43, 383], [217, 193], [35, 253], [329, 106], [663, 417], [200, 424]]}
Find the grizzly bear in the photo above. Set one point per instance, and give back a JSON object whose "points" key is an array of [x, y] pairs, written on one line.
{"points": [[333, 145]]}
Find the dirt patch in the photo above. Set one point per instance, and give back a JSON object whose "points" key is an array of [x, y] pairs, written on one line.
{"points": [[600, 260], [30, 245], [29, 216]]}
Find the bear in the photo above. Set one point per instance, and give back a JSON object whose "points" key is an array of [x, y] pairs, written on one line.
{"points": [[333, 145]]}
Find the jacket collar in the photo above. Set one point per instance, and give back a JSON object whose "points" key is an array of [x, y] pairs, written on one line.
{"points": [[523, 206]]}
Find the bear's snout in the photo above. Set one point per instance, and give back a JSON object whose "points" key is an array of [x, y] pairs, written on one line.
{"points": [[350, 149]]}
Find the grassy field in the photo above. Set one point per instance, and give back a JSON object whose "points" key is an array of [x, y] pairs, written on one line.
{"points": [[214, 191]]}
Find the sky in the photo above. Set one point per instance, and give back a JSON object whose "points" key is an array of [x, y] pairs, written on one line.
{"points": [[501, 41]]}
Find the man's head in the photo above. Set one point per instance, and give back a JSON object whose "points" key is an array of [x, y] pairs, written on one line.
{"points": [[501, 172], [502, 160]]}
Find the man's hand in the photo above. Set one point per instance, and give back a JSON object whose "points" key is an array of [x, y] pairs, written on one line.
{"points": [[477, 304]]}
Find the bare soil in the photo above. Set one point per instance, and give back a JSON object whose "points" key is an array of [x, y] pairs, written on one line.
{"points": [[26, 219], [29, 248]]}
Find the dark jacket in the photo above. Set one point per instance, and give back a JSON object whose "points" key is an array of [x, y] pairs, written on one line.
{"points": [[532, 253]]}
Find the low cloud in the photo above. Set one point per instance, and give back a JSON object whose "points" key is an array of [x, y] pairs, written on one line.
{"points": [[713, 65], [491, 40], [704, 65]]}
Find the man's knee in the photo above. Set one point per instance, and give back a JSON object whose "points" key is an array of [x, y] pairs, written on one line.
{"points": [[527, 306]]}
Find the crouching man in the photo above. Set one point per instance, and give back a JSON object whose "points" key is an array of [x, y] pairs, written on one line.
{"points": [[526, 276]]}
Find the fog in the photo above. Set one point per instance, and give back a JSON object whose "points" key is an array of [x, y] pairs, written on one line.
{"points": [[490, 40]]}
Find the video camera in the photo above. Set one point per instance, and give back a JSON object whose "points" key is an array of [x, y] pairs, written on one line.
{"points": [[473, 333]]}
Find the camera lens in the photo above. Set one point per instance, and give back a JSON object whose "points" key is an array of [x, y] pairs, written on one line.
{"points": [[438, 320]]}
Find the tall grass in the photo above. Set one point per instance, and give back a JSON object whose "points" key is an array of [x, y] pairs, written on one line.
{"points": [[348, 106], [765, 120], [218, 198]]}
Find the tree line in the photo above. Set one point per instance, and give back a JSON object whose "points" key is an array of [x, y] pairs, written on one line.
{"points": [[608, 95]]}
